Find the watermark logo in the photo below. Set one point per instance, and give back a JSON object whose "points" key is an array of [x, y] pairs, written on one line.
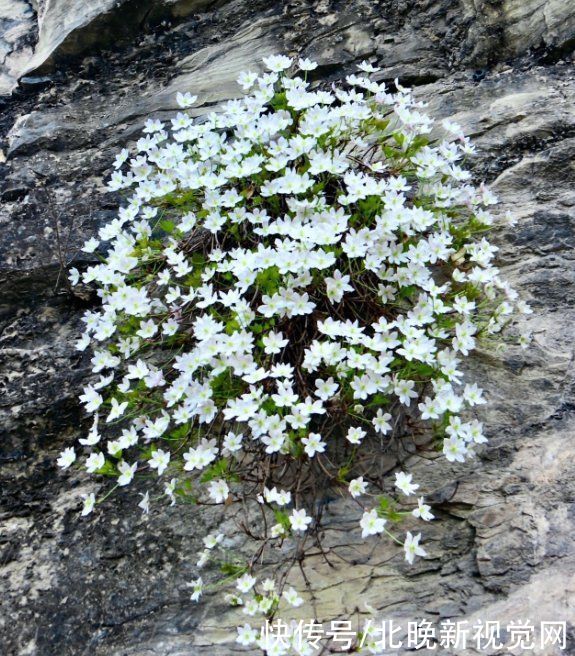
{"points": [[390, 635]]}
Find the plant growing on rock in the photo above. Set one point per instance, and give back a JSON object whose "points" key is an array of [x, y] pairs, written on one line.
{"points": [[289, 290]]}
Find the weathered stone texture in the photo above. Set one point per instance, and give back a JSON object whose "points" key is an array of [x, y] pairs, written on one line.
{"points": [[502, 545]]}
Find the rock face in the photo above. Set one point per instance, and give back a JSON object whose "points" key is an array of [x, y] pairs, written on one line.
{"points": [[90, 73], [17, 33]]}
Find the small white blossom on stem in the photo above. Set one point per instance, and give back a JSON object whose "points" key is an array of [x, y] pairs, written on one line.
{"points": [[246, 635], [89, 503], [160, 460], [219, 491], [245, 583], [198, 587], [357, 487], [145, 503], [422, 511], [313, 444], [127, 472], [403, 483], [292, 597], [355, 435], [371, 523], [299, 520], [412, 548], [67, 458]]}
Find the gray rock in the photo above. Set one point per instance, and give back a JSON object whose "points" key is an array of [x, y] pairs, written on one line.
{"points": [[38, 36], [509, 28], [69, 28], [114, 585], [17, 35]]}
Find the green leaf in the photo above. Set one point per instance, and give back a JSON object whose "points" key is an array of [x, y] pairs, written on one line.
{"points": [[233, 569], [419, 142], [109, 468], [218, 470], [282, 518], [399, 137], [387, 510], [343, 473], [167, 226], [378, 400]]}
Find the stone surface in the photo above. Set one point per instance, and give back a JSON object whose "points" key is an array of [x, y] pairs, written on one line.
{"points": [[39, 34], [17, 36], [510, 27], [69, 28], [502, 545]]}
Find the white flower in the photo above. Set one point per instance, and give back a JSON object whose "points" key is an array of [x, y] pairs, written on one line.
{"points": [[268, 585], [277, 530], [233, 442], [89, 503], [185, 100], [95, 461], [274, 343], [523, 307], [281, 497], [204, 557], [306, 64], [454, 449], [67, 458], [91, 398], [169, 490], [315, 303], [91, 245], [74, 276], [412, 548], [355, 435], [326, 389], [313, 444], [405, 391], [452, 127], [117, 410], [357, 487], [246, 635], [366, 67], [473, 395], [251, 607], [120, 159], [371, 523], [83, 343], [245, 583], [403, 483], [201, 456], [299, 520], [159, 460], [93, 435], [292, 597], [277, 63], [219, 490], [525, 340], [337, 286], [381, 422], [247, 79], [198, 587], [422, 511], [126, 472], [145, 503], [211, 541]]}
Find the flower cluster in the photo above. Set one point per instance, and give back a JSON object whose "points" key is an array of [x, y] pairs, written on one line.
{"points": [[292, 282]]}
